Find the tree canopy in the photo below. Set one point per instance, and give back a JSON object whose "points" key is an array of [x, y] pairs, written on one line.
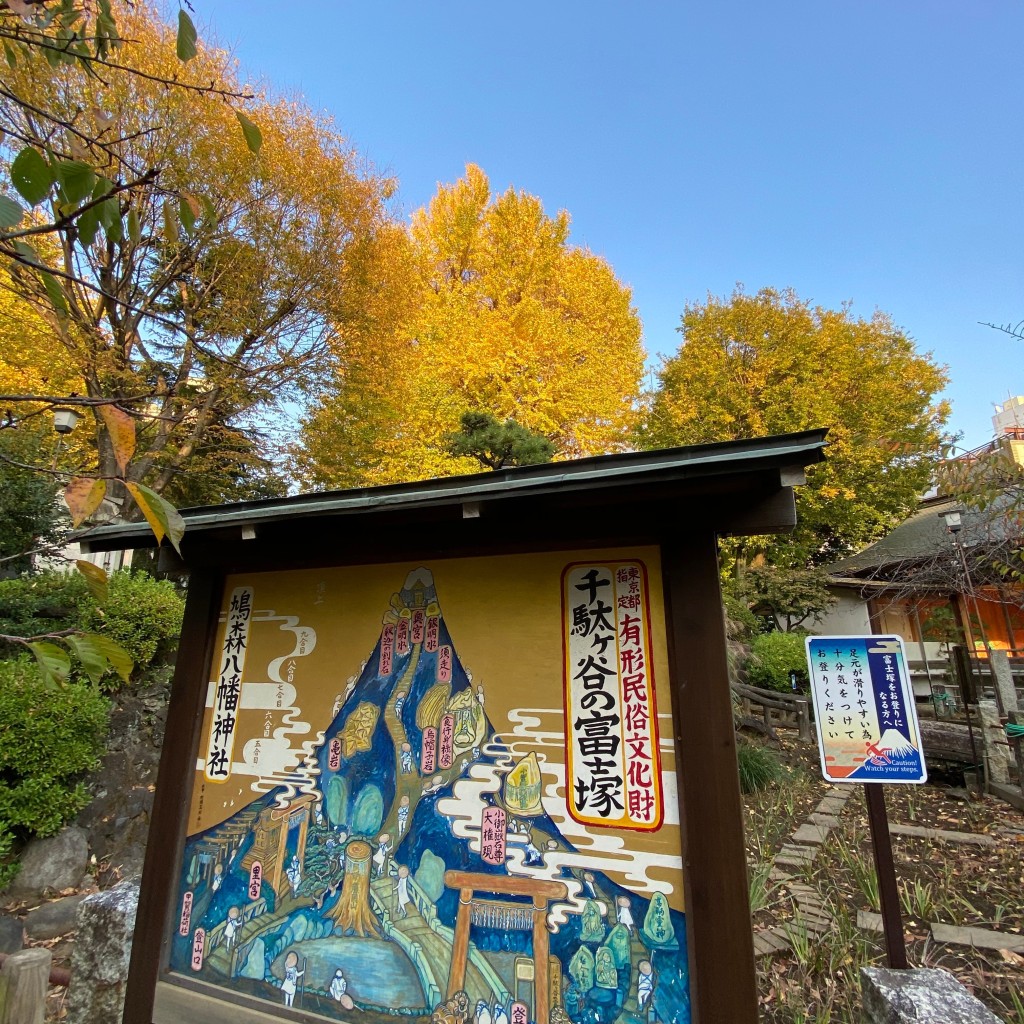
{"points": [[489, 308], [771, 363], [498, 445], [205, 288]]}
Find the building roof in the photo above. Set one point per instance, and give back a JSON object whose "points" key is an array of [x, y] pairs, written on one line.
{"points": [[923, 536], [751, 467]]}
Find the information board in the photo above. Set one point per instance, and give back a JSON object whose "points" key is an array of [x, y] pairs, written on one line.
{"points": [[864, 710], [441, 790]]}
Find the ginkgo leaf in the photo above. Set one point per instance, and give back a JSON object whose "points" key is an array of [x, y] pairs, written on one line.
{"points": [[187, 36], [96, 578], [121, 428], [253, 136], [53, 661], [163, 518]]}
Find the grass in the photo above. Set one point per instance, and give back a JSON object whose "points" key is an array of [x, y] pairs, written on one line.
{"points": [[818, 979]]}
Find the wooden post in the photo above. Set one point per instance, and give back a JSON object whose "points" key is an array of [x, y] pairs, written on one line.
{"points": [[723, 987], [460, 944], [540, 960], [803, 716], [888, 893], [23, 982]]}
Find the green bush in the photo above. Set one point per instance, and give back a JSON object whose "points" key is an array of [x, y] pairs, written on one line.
{"points": [[758, 766], [142, 614], [49, 737], [44, 602], [773, 656]]}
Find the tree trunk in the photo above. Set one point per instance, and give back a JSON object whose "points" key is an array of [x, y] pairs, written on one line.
{"points": [[352, 911]]}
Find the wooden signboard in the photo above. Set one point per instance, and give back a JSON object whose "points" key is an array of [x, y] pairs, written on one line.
{"points": [[425, 777]]}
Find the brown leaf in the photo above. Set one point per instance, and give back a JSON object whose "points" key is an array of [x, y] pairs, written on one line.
{"points": [[83, 496], [121, 428]]}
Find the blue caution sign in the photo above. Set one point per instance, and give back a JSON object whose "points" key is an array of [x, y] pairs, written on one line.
{"points": [[864, 709]]}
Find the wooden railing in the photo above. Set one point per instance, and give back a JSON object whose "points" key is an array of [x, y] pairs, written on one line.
{"points": [[777, 711]]}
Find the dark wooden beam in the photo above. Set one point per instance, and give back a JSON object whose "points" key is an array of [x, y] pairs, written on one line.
{"points": [[723, 988], [173, 793]]}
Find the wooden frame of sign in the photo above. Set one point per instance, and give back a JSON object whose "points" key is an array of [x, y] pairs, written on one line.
{"points": [[652, 518]]}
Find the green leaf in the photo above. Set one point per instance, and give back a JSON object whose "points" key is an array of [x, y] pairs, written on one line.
{"points": [[171, 232], [99, 653], [12, 57], [55, 293], [55, 664], [88, 224], [31, 176], [186, 36], [187, 215], [76, 179], [110, 218], [163, 518], [134, 226], [28, 252], [95, 577], [253, 136], [11, 212]]}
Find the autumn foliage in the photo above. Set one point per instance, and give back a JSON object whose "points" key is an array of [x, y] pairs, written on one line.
{"points": [[490, 309]]}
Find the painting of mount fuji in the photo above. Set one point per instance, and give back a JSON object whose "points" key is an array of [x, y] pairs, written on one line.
{"points": [[440, 792]]}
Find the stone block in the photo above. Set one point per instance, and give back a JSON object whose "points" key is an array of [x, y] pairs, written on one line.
{"points": [[869, 921], [12, 934], [980, 938], [828, 820], [918, 995], [53, 919], [810, 835], [103, 949]]}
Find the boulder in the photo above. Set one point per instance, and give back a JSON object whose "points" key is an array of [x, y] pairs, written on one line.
{"points": [[53, 919], [52, 864], [12, 934], [919, 994]]}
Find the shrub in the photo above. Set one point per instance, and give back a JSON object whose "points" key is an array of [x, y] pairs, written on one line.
{"points": [[758, 766], [142, 614], [43, 602], [773, 656], [48, 738]]}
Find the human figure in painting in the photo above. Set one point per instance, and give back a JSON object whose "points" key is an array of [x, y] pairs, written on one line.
{"points": [[294, 875], [499, 1016], [533, 856], [339, 699], [318, 815], [291, 977], [624, 912], [480, 694], [402, 889], [433, 785], [406, 758], [588, 884], [399, 703], [380, 858], [218, 877], [231, 927], [403, 815], [483, 1013], [339, 990], [644, 983]]}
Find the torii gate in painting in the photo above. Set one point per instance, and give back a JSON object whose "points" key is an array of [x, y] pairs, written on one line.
{"points": [[543, 892]]}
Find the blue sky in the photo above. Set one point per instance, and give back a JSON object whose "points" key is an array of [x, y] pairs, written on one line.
{"points": [[864, 151]]}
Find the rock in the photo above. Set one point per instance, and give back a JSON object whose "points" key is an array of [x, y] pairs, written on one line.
{"points": [[12, 934], [99, 964], [53, 919], [52, 864], [917, 995]]}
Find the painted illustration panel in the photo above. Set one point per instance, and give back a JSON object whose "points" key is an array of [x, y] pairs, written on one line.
{"points": [[440, 791]]}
